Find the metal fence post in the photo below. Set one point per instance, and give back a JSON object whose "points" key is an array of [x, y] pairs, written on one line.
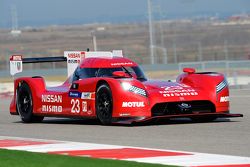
{"points": [[227, 68]]}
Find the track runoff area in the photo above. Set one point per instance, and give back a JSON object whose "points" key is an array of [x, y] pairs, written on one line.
{"points": [[138, 154]]}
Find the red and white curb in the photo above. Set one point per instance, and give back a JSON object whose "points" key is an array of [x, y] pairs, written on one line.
{"points": [[138, 154]]}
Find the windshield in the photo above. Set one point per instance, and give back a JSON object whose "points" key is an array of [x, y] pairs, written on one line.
{"points": [[82, 73]]}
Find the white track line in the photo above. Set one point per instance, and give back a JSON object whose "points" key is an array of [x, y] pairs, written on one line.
{"points": [[193, 159], [67, 146], [198, 159]]}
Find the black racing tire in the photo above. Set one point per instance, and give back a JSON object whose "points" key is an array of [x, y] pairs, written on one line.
{"points": [[104, 104], [25, 104], [203, 119]]}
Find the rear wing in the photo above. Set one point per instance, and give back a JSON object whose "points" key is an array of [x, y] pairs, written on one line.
{"points": [[73, 59]]}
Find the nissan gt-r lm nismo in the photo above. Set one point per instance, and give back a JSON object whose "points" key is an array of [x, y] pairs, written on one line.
{"points": [[114, 89]]}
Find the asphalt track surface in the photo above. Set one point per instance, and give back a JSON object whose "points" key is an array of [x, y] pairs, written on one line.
{"points": [[223, 136]]}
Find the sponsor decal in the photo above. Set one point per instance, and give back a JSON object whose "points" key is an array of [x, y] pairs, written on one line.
{"points": [[89, 112], [74, 94], [74, 55], [121, 64], [71, 61], [51, 108], [52, 98], [180, 94], [185, 105], [74, 86], [124, 114], [17, 58], [18, 66], [224, 99], [179, 90], [84, 106], [86, 95], [133, 104], [15, 64]]}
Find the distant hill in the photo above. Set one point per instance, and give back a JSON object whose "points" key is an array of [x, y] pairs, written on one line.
{"points": [[77, 12]]}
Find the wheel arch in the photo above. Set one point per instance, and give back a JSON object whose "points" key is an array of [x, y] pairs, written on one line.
{"points": [[111, 83], [102, 86], [207, 80], [36, 85], [101, 82], [25, 106]]}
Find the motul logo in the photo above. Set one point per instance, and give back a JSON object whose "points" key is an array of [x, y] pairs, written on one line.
{"points": [[224, 99], [133, 104]]}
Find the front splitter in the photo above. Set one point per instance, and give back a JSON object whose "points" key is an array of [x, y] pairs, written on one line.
{"points": [[129, 121]]}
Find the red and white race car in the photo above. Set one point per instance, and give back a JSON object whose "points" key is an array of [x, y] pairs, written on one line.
{"points": [[114, 89]]}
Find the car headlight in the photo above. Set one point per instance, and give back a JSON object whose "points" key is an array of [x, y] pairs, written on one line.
{"points": [[221, 86], [127, 86]]}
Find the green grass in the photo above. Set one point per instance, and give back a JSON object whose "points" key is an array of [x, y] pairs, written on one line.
{"points": [[10, 158]]}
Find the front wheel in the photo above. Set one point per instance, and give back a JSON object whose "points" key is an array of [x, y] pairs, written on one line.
{"points": [[25, 104], [104, 104]]}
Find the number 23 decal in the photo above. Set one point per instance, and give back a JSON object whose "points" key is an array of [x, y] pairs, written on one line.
{"points": [[75, 106]]}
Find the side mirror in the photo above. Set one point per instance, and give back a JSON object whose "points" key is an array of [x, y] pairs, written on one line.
{"points": [[120, 74], [189, 70]]}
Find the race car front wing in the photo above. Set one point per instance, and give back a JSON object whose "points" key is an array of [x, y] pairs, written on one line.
{"points": [[166, 117]]}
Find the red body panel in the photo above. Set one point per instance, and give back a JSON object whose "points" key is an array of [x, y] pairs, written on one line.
{"points": [[77, 99], [107, 62]]}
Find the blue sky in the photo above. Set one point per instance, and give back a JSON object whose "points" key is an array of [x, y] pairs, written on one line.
{"points": [[50, 12]]}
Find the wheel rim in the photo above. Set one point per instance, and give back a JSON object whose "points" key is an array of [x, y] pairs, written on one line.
{"points": [[104, 105], [25, 102]]}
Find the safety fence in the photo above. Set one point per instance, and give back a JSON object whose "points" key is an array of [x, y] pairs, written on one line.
{"points": [[237, 72]]}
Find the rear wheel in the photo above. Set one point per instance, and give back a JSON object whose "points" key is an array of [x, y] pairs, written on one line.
{"points": [[25, 104], [104, 104]]}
